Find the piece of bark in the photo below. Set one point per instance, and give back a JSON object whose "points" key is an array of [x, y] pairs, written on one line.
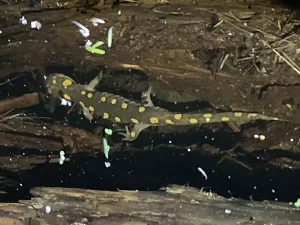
{"points": [[283, 136], [48, 137], [176, 205], [23, 101]]}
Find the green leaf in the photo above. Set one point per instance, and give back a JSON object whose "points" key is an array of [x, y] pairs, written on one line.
{"points": [[97, 44], [95, 50], [297, 203], [108, 131], [105, 147]]}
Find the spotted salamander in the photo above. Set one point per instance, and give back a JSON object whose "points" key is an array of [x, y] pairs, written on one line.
{"points": [[121, 110]]}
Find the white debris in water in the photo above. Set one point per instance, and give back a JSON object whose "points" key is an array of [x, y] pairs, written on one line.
{"points": [[203, 172], [227, 211], [36, 25], [88, 43], [48, 209], [65, 102], [83, 30], [23, 20], [96, 21], [107, 164], [62, 157]]}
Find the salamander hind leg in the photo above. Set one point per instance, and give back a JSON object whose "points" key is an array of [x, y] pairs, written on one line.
{"points": [[86, 112], [135, 131]]}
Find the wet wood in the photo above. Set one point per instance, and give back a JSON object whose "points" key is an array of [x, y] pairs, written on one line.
{"points": [[21, 102], [177, 205], [30, 133]]}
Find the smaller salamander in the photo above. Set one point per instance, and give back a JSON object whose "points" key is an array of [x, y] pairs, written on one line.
{"points": [[121, 110]]}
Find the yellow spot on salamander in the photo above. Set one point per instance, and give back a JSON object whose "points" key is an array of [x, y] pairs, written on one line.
{"points": [[89, 95], [134, 120], [113, 101], [153, 120], [207, 115], [275, 118], [178, 116], [207, 119], [91, 108], [103, 99], [252, 115], [169, 121], [105, 115], [83, 92], [225, 118], [117, 119], [142, 109], [53, 81], [67, 82], [124, 105], [132, 134], [193, 121], [238, 114], [67, 97]]}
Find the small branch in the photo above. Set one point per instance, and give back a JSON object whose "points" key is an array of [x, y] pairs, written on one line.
{"points": [[24, 101]]}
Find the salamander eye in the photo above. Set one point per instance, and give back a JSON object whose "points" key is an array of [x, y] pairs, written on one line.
{"points": [[60, 93]]}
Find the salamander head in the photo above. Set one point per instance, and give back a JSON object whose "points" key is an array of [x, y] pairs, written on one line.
{"points": [[56, 83]]}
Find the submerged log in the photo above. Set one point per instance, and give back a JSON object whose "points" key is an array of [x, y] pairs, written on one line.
{"points": [[176, 205], [230, 56]]}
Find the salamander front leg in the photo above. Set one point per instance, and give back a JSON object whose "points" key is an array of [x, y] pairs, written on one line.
{"points": [[134, 133], [146, 97], [91, 86]]}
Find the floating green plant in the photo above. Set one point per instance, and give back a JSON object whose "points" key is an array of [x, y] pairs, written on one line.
{"points": [[94, 48]]}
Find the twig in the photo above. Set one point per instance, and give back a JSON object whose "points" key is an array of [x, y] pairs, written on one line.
{"points": [[249, 32], [10, 117], [9, 80], [236, 161], [283, 58], [223, 61], [285, 39]]}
